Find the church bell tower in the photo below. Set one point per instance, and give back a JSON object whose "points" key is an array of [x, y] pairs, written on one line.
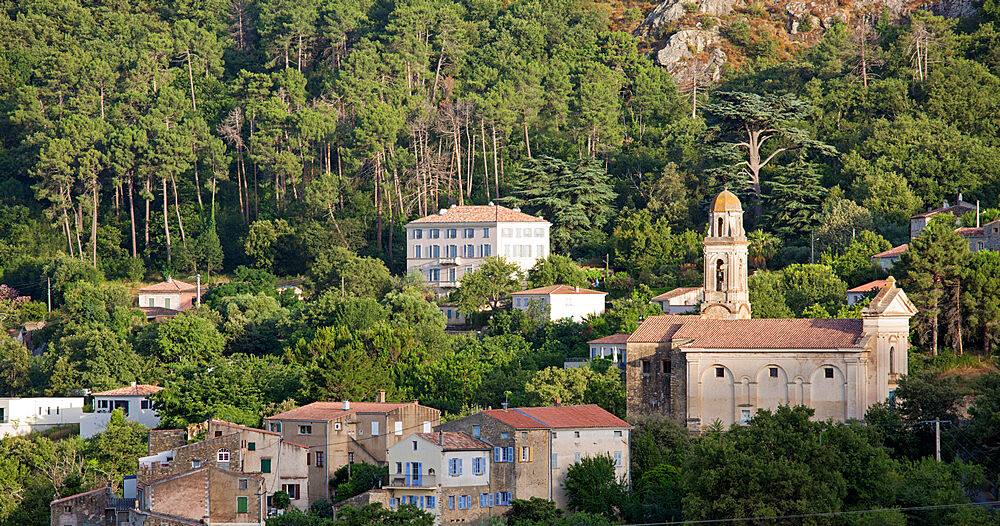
{"points": [[727, 296]]}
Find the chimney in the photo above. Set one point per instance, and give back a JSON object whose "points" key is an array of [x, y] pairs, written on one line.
{"points": [[558, 402], [129, 486], [170, 279], [133, 384], [505, 404], [440, 438], [576, 288], [416, 402], [945, 205], [381, 396], [960, 197], [347, 405]]}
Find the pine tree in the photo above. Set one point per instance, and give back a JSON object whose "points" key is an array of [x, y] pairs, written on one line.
{"points": [[932, 269], [796, 199]]}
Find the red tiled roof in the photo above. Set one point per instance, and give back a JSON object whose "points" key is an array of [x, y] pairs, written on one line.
{"points": [[478, 214], [760, 333], [557, 417], [78, 495], [614, 338], [172, 285], [132, 390], [867, 287], [656, 329], [559, 289], [334, 410], [885, 297], [223, 423], [893, 252], [970, 231], [679, 291], [957, 209], [454, 441]]}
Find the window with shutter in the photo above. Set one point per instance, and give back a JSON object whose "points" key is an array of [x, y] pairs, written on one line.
{"points": [[242, 504]]}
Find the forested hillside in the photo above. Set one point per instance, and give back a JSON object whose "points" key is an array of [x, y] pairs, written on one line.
{"points": [[251, 140]]}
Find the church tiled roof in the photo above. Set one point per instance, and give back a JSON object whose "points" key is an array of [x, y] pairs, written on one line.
{"points": [[754, 333], [659, 328]]}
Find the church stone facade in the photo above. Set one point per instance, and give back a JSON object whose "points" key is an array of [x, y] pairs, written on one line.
{"points": [[724, 366]]}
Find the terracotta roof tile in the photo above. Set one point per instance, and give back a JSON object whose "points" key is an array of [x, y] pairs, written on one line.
{"points": [[957, 209], [770, 334], [231, 425], [173, 285], [679, 291], [970, 231], [893, 252], [656, 329], [557, 417], [559, 289], [132, 390], [333, 410], [478, 214], [78, 495], [614, 338], [454, 441], [867, 287]]}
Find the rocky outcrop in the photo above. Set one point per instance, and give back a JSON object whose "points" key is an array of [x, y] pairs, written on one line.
{"points": [[673, 10], [691, 44]]}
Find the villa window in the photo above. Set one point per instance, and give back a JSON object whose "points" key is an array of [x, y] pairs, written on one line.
{"points": [[222, 455], [828, 372], [773, 372], [645, 367], [720, 372]]}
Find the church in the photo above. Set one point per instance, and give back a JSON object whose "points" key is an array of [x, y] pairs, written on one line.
{"points": [[723, 365]]}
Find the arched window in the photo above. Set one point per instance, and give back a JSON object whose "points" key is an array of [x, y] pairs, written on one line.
{"points": [[718, 231], [892, 360], [720, 275], [222, 455]]}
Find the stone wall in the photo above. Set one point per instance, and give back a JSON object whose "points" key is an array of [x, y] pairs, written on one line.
{"points": [[83, 510], [205, 452], [649, 392], [166, 439]]}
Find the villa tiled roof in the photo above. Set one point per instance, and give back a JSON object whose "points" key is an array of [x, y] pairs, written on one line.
{"points": [[957, 209], [557, 417], [614, 338], [455, 441], [868, 287], [559, 289], [970, 231], [679, 291], [659, 328], [333, 410], [132, 390], [893, 252], [171, 285], [770, 334], [478, 214]]}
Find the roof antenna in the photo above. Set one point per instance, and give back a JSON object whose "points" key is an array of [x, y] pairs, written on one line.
{"points": [[506, 401]]}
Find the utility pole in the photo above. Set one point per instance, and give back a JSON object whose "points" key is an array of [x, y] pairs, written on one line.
{"points": [[812, 248], [937, 435], [198, 299], [607, 259], [49, 280]]}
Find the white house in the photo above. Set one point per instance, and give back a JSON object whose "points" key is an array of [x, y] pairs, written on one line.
{"points": [[861, 292], [168, 298], [681, 300], [610, 348], [445, 246], [562, 301], [132, 400], [20, 416], [446, 474]]}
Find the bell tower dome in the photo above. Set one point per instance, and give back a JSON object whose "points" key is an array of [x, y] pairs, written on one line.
{"points": [[727, 296]]}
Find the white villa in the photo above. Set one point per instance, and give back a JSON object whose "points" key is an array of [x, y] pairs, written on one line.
{"points": [[132, 400], [561, 301], [20, 416], [444, 246]]}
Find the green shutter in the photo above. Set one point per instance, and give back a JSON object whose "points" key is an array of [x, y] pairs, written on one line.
{"points": [[265, 465], [241, 504], [251, 446]]}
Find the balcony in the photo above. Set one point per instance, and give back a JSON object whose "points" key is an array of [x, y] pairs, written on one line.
{"points": [[446, 284], [403, 481], [455, 261]]}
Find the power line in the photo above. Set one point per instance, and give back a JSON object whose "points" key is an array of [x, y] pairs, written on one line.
{"points": [[810, 515]]}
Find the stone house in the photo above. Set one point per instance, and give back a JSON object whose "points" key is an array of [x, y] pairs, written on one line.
{"points": [[209, 494], [134, 402], [445, 474], [90, 508], [283, 465], [919, 222], [339, 433], [167, 298], [533, 448], [561, 302], [445, 246], [724, 366]]}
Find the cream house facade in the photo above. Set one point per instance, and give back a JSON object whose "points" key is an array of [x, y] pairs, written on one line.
{"points": [[724, 366], [445, 246], [558, 302]]}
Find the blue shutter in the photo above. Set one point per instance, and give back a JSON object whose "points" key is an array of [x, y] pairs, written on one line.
{"points": [[451, 502], [496, 454], [418, 475], [459, 465], [497, 494], [421, 501], [491, 500]]}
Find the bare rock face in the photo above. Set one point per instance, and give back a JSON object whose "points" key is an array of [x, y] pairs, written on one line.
{"points": [[690, 43], [672, 10]]}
